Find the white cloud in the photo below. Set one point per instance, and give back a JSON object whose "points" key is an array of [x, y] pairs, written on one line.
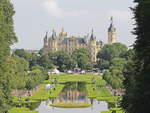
{"points": [[54, 9]]}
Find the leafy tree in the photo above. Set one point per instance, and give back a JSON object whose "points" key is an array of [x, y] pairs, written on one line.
{"points": [[82, 57], [45, 62], [64, 61], [115, 76], [18, 69], [137, 79], [7, 38], [23, 54], [71, 64], [111, 51], [33, 60], [129, 54], [103, 64]]}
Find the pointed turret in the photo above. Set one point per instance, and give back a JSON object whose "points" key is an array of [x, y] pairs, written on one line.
{"points": [[54, 36], [111, 32], [111, 28], [92, 36], [62, 34], [46, 39]]}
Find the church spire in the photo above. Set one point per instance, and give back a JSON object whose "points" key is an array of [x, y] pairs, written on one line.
{"points": [[92, 35], [111, 32], [111, 28], [54, 36], [46, 39], [111, 19], [46, 36]]}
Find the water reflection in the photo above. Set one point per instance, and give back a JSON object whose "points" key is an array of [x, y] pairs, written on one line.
{"points": [[95, 108], [73, 92]]}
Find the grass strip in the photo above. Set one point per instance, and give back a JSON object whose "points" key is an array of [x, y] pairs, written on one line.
{"points": [[87, 78], [71, 105], [104, 92], [21, 110], [56, 92], [117, 110], [46, 94], [92, 93]]}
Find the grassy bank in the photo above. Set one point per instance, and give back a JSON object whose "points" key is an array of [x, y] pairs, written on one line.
{"points": [[21, 110], [56, 92], [87, 78], [116, 110], [92, 92], [42, 94], [98, 93], [71, 105]]}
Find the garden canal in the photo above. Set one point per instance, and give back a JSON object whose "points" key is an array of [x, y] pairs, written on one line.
{"points": [[72, 92], [68, 94]]}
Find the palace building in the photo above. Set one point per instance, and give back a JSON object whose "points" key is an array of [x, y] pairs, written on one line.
{"points": [[63, 42]]}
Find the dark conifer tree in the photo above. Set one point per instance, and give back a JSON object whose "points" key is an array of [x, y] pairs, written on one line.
{"points": [[137, 73]]}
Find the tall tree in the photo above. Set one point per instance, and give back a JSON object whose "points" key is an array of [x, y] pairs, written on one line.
{"points": [[7, 38], [137, 82], [82, 57], [111, 51]]}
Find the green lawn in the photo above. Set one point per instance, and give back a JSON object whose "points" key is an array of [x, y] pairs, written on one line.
{"points": [[98, 91], [21, 110], [118, 110], [74, 78], [103, 92], [42, 94], [91, 90], [71, 105], [56, 92]]}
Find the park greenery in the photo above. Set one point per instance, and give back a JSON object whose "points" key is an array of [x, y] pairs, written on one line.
{"points": [[80, 58], [21, 110], [122, 68], [113, 59], [137, 79], [7, 38], [22, 77], [71, 105]]}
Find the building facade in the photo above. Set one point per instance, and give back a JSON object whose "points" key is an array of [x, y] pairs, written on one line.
{"points": [[63, 42], [112, 33]]}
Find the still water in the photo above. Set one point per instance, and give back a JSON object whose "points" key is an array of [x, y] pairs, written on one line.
{"points": [[73, 92]]}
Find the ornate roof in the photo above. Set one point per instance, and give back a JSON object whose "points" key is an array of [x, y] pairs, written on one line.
{"points": [[79, 40], [111, 28]]}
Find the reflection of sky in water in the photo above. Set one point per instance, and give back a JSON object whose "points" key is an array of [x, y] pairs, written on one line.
{"points": [[96, 108], [73, 92]]}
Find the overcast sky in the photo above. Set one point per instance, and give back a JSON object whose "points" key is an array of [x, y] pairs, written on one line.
{"points": [[34, 17]]}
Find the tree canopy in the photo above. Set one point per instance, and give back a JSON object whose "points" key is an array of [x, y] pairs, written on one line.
{"points": [[113, 58], [111, 51], [7, 38], [137, 78]]}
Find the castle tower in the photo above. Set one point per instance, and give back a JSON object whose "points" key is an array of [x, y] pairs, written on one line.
{"points": [[54, 42], [62, 34], [92, 47], [112, 33], [46, 40]]}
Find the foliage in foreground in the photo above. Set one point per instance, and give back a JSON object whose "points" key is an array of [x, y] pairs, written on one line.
{"points": [[112, 110], [7, 38], [113, 58], [137, 77], [21, 77]]}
